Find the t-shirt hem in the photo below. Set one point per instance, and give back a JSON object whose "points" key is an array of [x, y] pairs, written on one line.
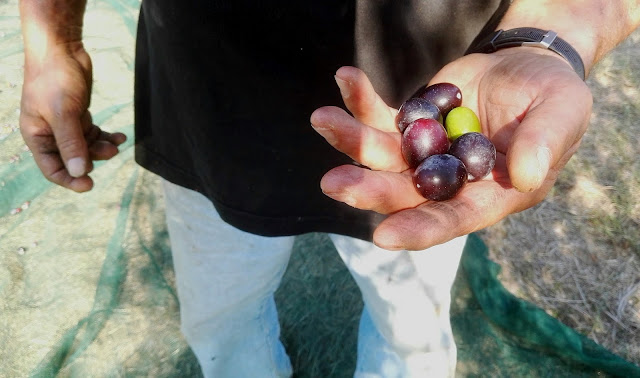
{"points": [[249, 222]]}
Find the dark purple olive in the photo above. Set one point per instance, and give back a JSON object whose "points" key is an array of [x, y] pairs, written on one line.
{"points": [[423, 138], [415, 108], [445, 96], [476, 152], [440, 177]]}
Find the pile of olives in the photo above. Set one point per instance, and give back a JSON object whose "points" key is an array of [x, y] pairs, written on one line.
{"points": [[443, 141]]}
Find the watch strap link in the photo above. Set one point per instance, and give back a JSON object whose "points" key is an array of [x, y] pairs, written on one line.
{"points": [[549, 39]]}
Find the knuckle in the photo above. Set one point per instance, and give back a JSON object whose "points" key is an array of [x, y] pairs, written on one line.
{"points": [[448, 216], [41, 144], [31, 127], [71, 144], [94, 133], [59, 178], [459, 216], [67, 107]]}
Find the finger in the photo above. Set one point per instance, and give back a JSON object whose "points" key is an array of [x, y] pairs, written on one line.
{"points": [[68, 131], [548, 130], [77, 184], [102, 144], [479, 205], [363, 102], [368, 146], [94, 132], [48, 160], [45, 154], [102, 150], [113, 138], [380, 191]]}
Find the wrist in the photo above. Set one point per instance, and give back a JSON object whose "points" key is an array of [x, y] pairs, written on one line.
{"points": [[50, 27], [591, 27], [38, 55], [539, 17], [541, 40]]}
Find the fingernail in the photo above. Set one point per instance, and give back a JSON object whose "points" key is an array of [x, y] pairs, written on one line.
{"points": [[345, 88], [76, 167], [347, 198], [544, 159], [327, 134]]}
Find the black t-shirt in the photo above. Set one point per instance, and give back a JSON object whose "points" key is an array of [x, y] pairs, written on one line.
{"points": [[224, 91]]}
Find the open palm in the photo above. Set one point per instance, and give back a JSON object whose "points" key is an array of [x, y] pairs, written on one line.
{"points": [[532, 106]]}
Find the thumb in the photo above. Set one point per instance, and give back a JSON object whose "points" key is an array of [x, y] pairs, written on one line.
{"points": [[546, 137], [69, 135]]}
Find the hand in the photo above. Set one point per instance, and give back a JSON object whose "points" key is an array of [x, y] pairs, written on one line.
{"points": [[55, 121], [532, 106]]}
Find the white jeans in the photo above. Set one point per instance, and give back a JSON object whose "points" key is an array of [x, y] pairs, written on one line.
{"points": [[226, 279]]}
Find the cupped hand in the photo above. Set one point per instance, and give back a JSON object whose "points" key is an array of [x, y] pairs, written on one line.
{"points": [[55, 121], [532, 106]]}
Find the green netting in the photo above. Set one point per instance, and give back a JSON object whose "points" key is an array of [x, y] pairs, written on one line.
{"points": [[86, 281]]}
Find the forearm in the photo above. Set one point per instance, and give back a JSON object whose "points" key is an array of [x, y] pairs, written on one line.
{"points": [[592, 27], [48, 25]]}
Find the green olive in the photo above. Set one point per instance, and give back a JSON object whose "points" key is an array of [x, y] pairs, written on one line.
{"points": [[461, 120]]}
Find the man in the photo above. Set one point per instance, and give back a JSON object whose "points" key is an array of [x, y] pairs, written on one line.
{"points": [[224, 92]]}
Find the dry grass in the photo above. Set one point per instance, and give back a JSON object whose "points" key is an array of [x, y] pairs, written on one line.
{"points": [[577, 254]]}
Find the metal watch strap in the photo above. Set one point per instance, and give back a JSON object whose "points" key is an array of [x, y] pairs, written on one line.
{"points": [[502, 39]]}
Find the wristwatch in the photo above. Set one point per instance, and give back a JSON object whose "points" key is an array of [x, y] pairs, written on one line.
{"points": [[549, 39]]}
